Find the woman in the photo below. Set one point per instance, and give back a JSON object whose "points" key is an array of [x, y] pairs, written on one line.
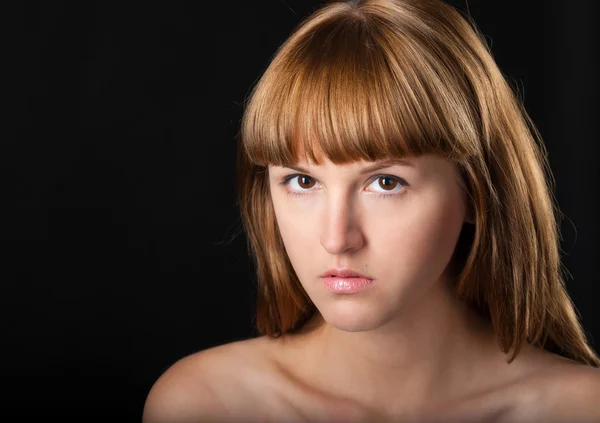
{"points": [[397, 201]]}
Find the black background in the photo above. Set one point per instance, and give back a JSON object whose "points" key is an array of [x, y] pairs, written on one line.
{"points": [[119, 247]]}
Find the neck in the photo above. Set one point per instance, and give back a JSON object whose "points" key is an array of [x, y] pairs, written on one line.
{"points": [[425, 352]]}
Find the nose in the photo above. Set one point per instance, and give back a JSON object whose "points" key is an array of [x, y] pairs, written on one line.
{"points": [[341, 232]]}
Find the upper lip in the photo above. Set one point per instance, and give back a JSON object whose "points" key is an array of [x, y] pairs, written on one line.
{"points": [[344, 273]]}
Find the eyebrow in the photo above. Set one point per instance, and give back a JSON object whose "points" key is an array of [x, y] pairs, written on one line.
{"points": [[377, 166]]}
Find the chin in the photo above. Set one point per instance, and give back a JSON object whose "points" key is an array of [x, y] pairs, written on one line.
{"points": [[351, 317]]}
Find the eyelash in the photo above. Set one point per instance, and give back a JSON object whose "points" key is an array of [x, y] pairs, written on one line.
{"points": [[286, 180]]}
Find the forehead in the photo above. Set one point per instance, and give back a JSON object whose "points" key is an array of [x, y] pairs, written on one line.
{"points": [[358, 165], [427, 167]]}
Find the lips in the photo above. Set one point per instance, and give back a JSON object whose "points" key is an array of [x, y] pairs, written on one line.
{"points": [[344, 273], [346, 281]]}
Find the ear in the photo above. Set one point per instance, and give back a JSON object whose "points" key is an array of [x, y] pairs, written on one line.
{"points": [[468, 199], [470, 214]]}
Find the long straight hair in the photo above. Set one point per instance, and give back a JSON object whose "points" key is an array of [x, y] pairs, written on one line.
{"points": [[372, 79]]}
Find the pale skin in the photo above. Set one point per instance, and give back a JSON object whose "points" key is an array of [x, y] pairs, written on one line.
{"points": [[404, 349]]}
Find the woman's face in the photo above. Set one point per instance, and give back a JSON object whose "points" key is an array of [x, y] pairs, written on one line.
{"points": [[398, 225]]}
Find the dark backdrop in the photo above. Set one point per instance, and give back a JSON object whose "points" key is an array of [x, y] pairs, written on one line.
{"points": [[119, 253]]}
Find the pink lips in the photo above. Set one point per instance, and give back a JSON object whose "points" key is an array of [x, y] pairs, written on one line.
{"points": [[345, 281]]}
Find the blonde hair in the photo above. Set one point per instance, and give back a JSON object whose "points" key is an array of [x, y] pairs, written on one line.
{"points": [[374, 79]]}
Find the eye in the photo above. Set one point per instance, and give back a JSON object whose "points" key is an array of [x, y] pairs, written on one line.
{"points": [[299, 183], [384, 185], [388, 184]]}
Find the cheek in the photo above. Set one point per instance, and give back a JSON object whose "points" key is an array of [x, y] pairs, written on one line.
{"points": [[417, 238], [421, 239], [297, 240]]}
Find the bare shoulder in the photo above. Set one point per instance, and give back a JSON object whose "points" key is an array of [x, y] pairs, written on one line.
{"points": [[209, 386], [563, 391]]}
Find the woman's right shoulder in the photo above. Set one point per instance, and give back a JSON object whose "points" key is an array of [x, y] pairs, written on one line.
{"points": [[212, 385]]}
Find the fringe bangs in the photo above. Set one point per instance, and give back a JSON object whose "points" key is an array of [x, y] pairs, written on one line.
{"points": [[347, 92]]}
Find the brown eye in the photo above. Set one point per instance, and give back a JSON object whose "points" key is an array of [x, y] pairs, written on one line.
{"points": [[387, 183], [305, 182]]}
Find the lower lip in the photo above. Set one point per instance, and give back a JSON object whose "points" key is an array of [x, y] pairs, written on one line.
{"points": [[346, 285]]}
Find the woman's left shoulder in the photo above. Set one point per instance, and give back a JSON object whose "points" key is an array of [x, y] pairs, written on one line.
{"points": [[560, 391]]}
